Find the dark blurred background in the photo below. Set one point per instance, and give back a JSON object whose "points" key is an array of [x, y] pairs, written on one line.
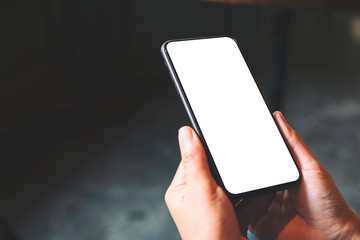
{"points": [[89, 116]]}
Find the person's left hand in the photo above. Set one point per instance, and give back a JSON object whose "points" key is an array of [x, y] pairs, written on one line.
{"points": [[199, 207]]}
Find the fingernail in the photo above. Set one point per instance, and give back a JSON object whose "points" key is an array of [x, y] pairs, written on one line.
{"points": [[283, 118], [185, 134], [277, 112]]}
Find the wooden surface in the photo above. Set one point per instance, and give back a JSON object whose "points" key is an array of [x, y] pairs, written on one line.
{"points": [[352, 5]]}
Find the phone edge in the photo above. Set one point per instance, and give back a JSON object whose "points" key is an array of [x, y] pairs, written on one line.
{"points": [[234, 197]]}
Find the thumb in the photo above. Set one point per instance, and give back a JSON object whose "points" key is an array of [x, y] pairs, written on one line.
{"points": [[193, 157], [301, 153]]}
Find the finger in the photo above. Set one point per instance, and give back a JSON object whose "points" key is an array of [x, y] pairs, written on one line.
{"points": [[254, 208], [193, 158], [177, 185], [298, 148], [179, 178]]}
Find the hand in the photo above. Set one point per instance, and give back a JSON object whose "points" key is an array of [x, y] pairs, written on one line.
{"points": [[313, 210], [199, 207]]}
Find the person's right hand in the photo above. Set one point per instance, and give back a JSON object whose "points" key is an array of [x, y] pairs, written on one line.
{"points": [[313, 210]]}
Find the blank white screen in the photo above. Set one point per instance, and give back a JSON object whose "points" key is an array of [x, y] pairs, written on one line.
{"points": [[238, 128]]}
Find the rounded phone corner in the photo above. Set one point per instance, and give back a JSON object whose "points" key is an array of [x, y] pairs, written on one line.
{"points": [[298, 179], [163, 48]]}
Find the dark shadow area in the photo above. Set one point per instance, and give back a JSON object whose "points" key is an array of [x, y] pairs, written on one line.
{"points": [[89, 116]]}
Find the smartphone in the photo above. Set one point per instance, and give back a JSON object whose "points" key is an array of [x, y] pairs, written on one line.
{"points": [[246, 151]]}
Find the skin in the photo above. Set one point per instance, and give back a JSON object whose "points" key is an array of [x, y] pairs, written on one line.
{"points": [[313, 210], [199, 207]]}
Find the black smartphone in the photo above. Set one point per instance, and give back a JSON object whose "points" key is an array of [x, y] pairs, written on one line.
{"points": [[246, 151]]}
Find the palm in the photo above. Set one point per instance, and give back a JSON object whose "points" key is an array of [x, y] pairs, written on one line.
{"points": [[277, 218], [269, 215]]}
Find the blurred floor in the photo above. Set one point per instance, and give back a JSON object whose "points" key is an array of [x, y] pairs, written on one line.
{"points": [[106, 177], [103, 179]]}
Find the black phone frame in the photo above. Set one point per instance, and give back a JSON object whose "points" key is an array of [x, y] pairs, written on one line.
{"points": [[234, 198]]}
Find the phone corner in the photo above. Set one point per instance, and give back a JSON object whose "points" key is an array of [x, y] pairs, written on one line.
{"points": [[163, 48], [299, 179], [231, 38]]}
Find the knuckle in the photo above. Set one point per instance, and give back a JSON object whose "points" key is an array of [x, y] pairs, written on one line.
{"points": [[167, 197], [294, 137], [189, 157]]}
